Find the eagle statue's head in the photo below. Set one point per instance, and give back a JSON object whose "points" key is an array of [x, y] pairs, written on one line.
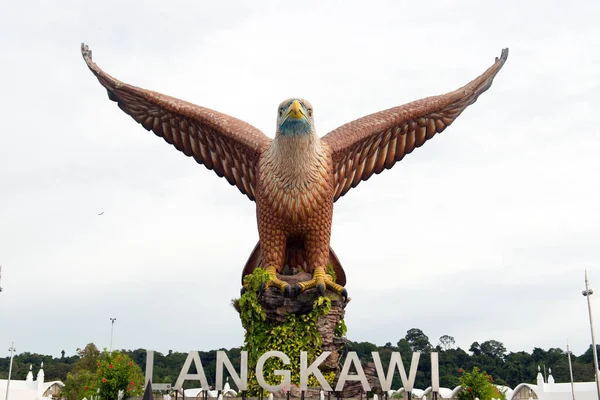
{"points": [[295, 118]]}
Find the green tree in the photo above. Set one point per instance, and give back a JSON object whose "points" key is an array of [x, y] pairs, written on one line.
{"points": [[77, 384], [449, 361], [538, 355], [588, 356], [475, 349], [418, 340], [57, 371], [518, 367], [404, 348], [447, 342], [362, 349], [88, 356], [493, 348]]}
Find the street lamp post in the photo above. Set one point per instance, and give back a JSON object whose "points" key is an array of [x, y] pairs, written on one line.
{"points": [[12, 354], [571, 372], [587, 293], [112, 326]]}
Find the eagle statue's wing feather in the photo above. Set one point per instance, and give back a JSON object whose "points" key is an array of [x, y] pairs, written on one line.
{"points": [[377, 141], [222, 143]]}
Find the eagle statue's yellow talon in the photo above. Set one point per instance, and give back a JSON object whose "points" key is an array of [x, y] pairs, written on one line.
{"points": [[318, 281], [275, 281], [321, 280]]}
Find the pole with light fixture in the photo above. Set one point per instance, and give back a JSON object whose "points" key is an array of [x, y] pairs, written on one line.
{"points": [[571, 371], [12, 354], [587, 293], [112, 326]]}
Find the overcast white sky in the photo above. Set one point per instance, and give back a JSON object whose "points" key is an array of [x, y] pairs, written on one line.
{"points": [[483, 233]]}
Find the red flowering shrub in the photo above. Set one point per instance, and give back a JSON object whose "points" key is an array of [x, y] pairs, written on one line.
{"points": [[115, 372], [478, 385]]}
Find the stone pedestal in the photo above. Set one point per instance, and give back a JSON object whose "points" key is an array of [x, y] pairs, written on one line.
{"points": [[277, 307], [307, 322]]}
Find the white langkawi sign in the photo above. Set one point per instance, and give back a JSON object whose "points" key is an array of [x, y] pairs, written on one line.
{"points": [[241, 379]]}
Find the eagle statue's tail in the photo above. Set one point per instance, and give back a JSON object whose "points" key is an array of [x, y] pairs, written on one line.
{"points": [[295, 261]]}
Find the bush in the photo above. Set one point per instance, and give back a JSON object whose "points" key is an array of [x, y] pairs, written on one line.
{"points": [[478, 385], [114, 372]]}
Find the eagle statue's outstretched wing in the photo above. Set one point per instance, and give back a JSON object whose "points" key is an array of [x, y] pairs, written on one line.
{"points": [[377, 141], [222, 143]]}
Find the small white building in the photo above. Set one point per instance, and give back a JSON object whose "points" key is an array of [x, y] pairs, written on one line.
{"points": [[551, 390], [543, 390], [30, 389]]}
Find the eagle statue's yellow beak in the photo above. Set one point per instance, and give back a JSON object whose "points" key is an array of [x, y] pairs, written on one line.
{"points": [[295, 111]]}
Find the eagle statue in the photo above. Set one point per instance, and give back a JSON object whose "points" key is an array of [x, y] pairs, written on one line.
{"points": [[296, 177]]}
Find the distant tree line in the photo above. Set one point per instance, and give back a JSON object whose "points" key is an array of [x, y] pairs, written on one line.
{"points": [[507, 368]]}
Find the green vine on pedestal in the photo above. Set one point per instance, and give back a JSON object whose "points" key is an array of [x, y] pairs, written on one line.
{"points": [[298, 333], [340, 329], [331, 272]]}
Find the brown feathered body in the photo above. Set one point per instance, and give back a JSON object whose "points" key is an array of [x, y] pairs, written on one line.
{"points": [[294, 203]]}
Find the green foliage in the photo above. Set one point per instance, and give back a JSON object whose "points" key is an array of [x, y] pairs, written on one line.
{"points": [[341, 329], [446, 342], [112, 373], [88, 357], [363, 349], [250, 309], [475, 348], [54, 368], [418, 340], [82, 373], [493, 348], [331, 272], [76, 384], [298, 333], [478, 385]]}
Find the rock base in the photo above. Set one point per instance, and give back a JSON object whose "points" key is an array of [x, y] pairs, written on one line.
{"points": [[277, 307], [276, 311]]}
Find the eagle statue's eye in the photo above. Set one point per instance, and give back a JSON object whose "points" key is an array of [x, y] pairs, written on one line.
{"points": [[281, 112], [310, 112]]}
